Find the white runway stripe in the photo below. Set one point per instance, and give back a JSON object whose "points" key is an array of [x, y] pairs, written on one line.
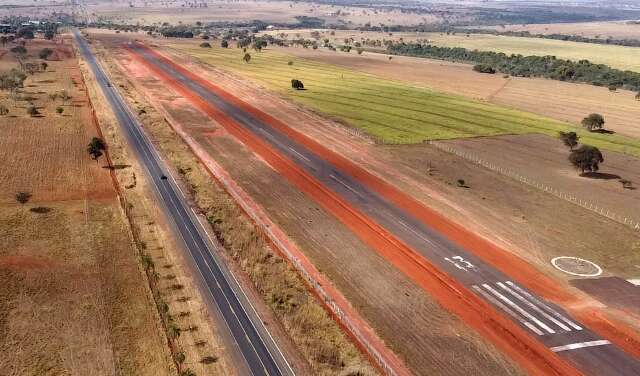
{"points": [[517, 308], [533, 306], [580, 345], [552, 311], [507, 310]]}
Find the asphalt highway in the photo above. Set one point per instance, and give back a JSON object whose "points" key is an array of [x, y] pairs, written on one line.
{"points": [[546, 322], [258, 350]]}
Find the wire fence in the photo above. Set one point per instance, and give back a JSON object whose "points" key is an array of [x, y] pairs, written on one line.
{"points": [[633, 223]]}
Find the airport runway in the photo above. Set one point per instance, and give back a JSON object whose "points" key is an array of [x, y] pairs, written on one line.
{"points": [[545, 322], [256, 347]]}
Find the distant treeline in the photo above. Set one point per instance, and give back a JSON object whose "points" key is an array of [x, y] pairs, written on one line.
{"points": [[565, 37], [527, 66]]}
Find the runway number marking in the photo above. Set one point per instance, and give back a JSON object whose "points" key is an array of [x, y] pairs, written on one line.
{"points": [[460, 263]]}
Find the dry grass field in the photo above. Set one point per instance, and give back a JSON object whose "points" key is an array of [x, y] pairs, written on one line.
{"points": [[151, 12], [621, 57], [603, 30], [73, 299], [563, 101]]}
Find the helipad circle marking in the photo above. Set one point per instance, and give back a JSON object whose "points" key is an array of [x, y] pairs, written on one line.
{"points": [[598, 270]]}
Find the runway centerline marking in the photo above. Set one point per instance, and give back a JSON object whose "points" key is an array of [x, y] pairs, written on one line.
{"points": [[580, 345], [299, 155], [332, 176]]}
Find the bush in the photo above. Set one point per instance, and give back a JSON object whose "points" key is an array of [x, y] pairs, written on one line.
{"points": [[484, 68], [291, 63], [297, 84], [205, 45], [3, 110], [59, 109], [593, 122], [32, 110], [224, 44], [45, 53]]}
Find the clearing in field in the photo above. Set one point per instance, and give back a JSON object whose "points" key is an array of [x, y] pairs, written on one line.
{"points": [[73, 299], [391, 111]]}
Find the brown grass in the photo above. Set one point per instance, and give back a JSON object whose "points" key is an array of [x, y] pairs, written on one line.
{"points": [[73, 300]]}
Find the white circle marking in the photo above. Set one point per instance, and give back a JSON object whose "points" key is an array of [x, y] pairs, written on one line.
{"points": [[597, 272]]}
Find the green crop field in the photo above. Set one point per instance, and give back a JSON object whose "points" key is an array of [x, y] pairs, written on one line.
{"points": [[391, 111]]}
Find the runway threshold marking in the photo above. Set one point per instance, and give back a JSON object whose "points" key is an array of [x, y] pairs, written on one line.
{"points": [[507, 310], [580, 345], [520, 310]]}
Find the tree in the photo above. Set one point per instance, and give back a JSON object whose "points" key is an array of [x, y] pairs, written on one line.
{"points": [[484, 68], [95, 148], [224, 43], [246, 58], [570, 139], [23, 197], [60, 110], [3, 110], [593, 122], [4, 40], [64, 96], [44, 66], [19, 51], [638, 96], [586, 158], [205, 45], [297, 84], [32, 110], [24, 33], [45, 53], [49, 34]]}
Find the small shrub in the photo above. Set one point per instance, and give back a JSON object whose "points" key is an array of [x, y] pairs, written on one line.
{"points": [[179, 357], [626, 184], [205, 45], [3, 110], [32, 110], [209, 359], [40, 210], [23, 197], [59, 109], [224, 44], [297, 84], [484, 68], [461, 183], [291, 63]]}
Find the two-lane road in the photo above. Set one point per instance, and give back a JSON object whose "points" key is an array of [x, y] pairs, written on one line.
{"points": [[256, 347]]}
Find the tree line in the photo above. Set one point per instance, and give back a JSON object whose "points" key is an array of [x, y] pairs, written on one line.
{"points": [[557, 36], [526, 66]]}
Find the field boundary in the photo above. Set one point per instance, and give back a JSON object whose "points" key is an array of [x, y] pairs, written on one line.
{"points": [[632, 223]]}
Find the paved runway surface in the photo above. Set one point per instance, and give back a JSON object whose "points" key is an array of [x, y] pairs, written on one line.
{"points": [[545, 321], [257, 348]]}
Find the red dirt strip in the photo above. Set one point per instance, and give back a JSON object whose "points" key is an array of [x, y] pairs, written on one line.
{"points": [[478, 314]]}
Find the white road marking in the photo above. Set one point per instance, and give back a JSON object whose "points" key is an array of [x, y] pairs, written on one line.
{"points": [[507, 310], [543, 305], [345, 185], [299, 155], [416, 233], [580, 345], [518, 309], [533, 306]]}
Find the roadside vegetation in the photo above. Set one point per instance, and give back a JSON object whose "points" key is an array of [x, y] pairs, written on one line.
{"points": [[389, 111]]}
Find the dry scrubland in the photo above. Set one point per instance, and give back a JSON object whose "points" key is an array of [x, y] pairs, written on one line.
{"points": [[72, 297], [621, 57], [563, 101], [389, 110], [613, 29], [267, 11]]}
